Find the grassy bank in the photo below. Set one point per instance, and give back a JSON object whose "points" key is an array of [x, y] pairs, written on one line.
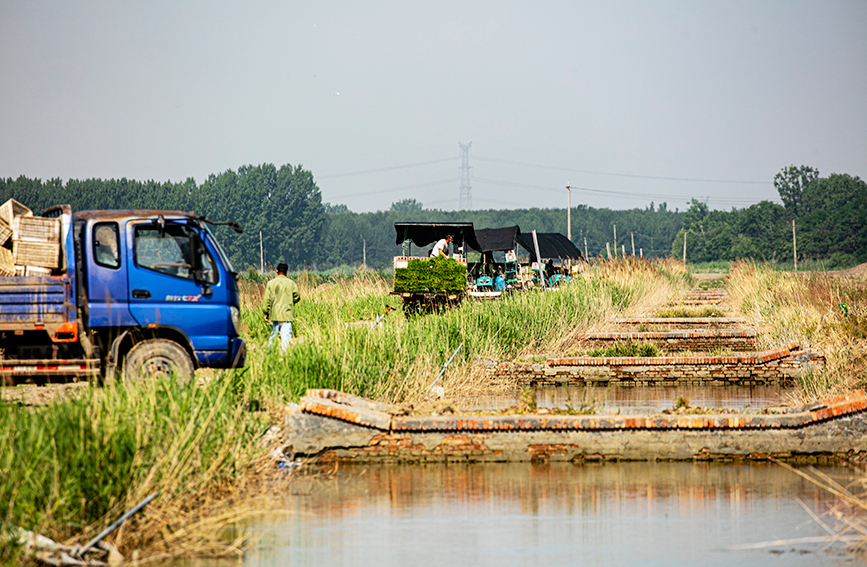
{"points": [[805, 265], [826, 312], [72, 467], [400, 358]]}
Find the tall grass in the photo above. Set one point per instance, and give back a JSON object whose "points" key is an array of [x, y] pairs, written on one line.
{"points": [[396, 361], [804, 265], [806, 308], [68, 469]]}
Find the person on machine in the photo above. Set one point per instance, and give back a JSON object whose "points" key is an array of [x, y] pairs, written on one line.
{"points": [[441, 248]]}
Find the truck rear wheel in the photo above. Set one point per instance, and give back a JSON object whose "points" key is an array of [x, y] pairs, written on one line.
{"points": [[157, 358]]}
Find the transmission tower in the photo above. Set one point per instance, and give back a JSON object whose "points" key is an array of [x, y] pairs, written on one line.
{"points": [[466, 202]]}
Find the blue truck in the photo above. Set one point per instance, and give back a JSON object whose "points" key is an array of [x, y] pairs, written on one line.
{"points": [[142, 293]]}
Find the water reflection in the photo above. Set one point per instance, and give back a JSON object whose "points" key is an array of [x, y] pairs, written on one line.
{"points": [[557, 514]]}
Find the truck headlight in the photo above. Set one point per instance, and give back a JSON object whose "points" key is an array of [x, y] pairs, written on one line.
{"points": [[236, 319]]}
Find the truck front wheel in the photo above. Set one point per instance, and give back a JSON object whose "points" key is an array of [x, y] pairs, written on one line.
{"points": [[157, 358]]}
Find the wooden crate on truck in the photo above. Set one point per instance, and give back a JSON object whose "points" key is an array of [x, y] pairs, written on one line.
{"points": [[32, 247], [36, 229], [38, 254], [11, 209], [7, 262], [5, 232]]}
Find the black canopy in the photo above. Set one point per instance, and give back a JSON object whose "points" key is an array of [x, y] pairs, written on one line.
{"points": [[424, 233], [496, 239], [551, 245]]}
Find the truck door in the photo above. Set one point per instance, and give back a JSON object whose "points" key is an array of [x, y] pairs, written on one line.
{"points": [[163, 290], [107, 290]]}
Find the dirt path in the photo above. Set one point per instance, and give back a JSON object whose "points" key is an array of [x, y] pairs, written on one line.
{"points": [[32, 395], [709, 276]]}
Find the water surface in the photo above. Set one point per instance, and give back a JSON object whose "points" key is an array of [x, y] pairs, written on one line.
{"points": [[549, 515]]}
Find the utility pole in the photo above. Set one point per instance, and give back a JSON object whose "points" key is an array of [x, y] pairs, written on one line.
{"points": [[539, 259], [684, 247], [615, 241], [364, 252], [466, 200], [586, 257], [794, 245], [261, 254], [632, 236], [568, 211], [608, 249]]}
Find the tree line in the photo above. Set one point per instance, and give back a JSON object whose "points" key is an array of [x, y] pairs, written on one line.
{"points": [[285, 207], [829, 216], [283, 204], [347, 234]]}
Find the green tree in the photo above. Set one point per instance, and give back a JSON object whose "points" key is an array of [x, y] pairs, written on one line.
{"points": [[695, 215], [791, 182], [762, 232], [330, 209], [834, 210], [406, 205]]}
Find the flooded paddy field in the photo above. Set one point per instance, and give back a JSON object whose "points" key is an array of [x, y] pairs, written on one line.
{"points": [[639, 513]]}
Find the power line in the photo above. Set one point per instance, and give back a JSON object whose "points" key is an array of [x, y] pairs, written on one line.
{"points": [[428, 184], [542, 166], [611, 192], [392, 168], [556, 168], [503, 201]]}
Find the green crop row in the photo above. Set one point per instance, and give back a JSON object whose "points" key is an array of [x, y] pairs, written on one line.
{"points": [[437, 275]]}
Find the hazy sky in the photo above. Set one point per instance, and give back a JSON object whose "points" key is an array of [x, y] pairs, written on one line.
{"points": [[630, 102]]}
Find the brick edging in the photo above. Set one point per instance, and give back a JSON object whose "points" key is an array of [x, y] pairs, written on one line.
{"points": [[679, 320], [758, 358], [660, 335], [838, 406]]}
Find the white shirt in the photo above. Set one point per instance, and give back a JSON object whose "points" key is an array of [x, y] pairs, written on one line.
{"points": [[441, 246]]}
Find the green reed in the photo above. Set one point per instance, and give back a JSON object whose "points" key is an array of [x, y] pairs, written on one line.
{"points": [[73, 466], [400, 356]]}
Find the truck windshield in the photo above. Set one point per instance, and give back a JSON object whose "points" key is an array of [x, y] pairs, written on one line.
{"points": [[169, 252], [223, 256]]}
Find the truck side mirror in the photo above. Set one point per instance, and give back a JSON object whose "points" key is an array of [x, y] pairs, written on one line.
{"points": [[196, 255], [236, 226], [197, 248]]}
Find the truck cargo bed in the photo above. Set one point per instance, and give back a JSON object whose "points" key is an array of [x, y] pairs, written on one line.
{"points": [[33, 303]]}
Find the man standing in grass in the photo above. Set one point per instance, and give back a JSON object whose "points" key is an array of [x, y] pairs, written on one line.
{"points": [[281, 295]]}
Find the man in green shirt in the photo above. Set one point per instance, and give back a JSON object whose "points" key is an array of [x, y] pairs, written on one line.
{"points": [[281, 295]]}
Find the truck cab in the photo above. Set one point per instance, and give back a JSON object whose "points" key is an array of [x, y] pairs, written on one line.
{"points": [[157, 276], [147, 293]]}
